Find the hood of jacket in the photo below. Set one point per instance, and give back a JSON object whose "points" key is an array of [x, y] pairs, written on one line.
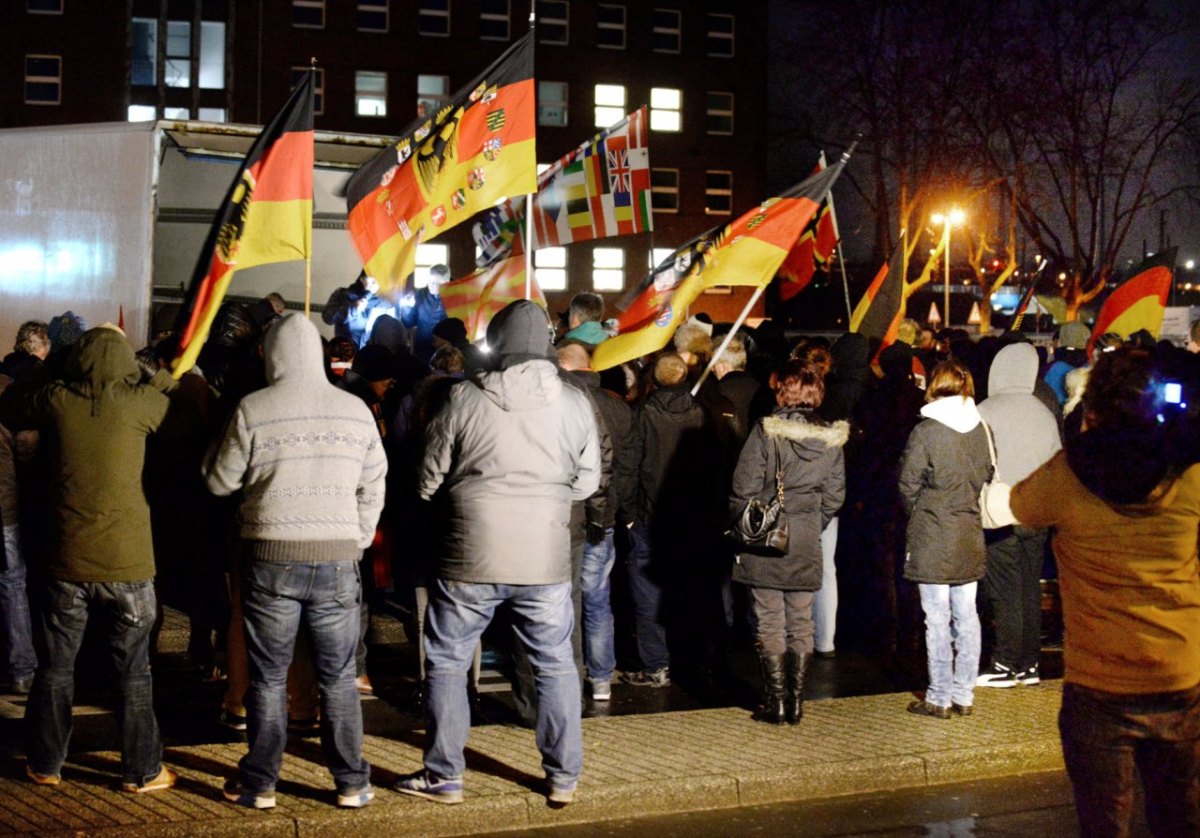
{"points": [[102, 356], [675, 399], [591, 333], [811, 438], [958, 413], [292, 351], [526, 386], [1100, 458], [851, 357], [520, 333], [1014, 371]]}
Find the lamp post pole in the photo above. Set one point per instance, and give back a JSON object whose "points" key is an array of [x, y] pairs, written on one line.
{"points": [[946, 273]]}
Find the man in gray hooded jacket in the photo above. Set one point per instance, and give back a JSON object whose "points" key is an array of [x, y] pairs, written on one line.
{"points": [[506, 457], [1026, 436]]}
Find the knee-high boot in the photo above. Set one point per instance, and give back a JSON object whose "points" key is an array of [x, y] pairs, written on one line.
{"points": [[772, 710], [797, 663]]}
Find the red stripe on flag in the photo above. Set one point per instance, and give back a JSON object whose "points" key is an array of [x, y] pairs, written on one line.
{"points": [[285, 172]]}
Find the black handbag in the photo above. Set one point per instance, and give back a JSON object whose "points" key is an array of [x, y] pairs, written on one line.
{"points": [[762, 526]]}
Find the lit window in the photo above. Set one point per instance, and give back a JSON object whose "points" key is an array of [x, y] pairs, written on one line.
{"points": [[370, 93], [318, 86], [176, 113], [720, 36], [43, 79], [44, 7], [550, 268], [177, 69], [664, 190], [211, 115], [493, 20], [610, 104], [718, 193], [552, 103], [610, 27], [658, 255], [668, 30], [718, 116], [433, 18], [432, 91], [212, 55], [608, 269], [553, 22], [142, 113], [373, 16], [666, 109], [308, 14], [427, 256], [143, 72]]}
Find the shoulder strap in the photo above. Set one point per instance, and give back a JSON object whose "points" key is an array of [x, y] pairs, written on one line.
{"points": [[991, 445]]}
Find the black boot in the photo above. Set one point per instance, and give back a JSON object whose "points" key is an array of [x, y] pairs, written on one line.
{"points": [[797, 663], [772, 711]]}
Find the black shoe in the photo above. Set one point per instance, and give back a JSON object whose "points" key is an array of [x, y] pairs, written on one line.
{"points": [[997, 675], [962, 709], [832, 653], [1029, 677], [772, 710], [924, 708], [21, 686]]}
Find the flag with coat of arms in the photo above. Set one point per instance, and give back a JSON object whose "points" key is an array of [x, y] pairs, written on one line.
{"points": [[598, 190]]}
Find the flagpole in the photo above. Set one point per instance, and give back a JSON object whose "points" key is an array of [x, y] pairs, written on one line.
{"points": [[312, 70], [529, 196], [841, 256], [737, 324]]}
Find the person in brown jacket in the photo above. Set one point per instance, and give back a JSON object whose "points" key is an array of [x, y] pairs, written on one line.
{"points": [[1126, 510]]}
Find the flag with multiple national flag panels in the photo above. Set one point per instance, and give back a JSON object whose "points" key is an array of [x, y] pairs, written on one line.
{"points": [[600, 189], [475, 151], [881, 308], [266, 217], [813, 250], [477, 298], [1140, 301], [747, 252]]}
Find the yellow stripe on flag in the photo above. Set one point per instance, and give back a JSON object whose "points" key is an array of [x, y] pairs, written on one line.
{"points": [[1147, 313], [622, 348], [276, 231]]}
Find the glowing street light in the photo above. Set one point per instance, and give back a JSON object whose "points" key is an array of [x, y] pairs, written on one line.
{"points": [[947, 220]]}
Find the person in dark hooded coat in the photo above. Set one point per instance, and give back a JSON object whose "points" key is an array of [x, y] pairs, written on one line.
{"points": [[807, 452]]}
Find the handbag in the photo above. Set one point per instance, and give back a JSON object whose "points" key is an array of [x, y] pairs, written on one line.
{"points": [[762, 526], [994, 509]]}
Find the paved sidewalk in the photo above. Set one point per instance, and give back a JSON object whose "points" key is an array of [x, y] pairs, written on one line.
{"points": [[634, 765]]}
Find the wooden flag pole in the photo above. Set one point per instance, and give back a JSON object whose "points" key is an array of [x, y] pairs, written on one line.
{"points": [[737, 324], [529, 197]]}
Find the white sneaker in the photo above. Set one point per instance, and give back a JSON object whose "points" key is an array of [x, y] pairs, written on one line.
{"points": [[601, 691]]}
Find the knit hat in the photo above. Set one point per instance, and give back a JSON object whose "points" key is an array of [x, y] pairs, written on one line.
{"points": [[451, 329], [374, 363], [66, 329], [1073, 335], [519, 333]]}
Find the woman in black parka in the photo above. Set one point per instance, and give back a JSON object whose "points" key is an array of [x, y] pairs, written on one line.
{"points": [[808, 452]]}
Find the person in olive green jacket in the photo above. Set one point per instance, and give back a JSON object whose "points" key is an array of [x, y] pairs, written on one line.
{"points": [[94, 422]]}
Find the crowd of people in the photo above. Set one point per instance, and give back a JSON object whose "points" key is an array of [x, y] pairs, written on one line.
{"points": [[269, 489]]}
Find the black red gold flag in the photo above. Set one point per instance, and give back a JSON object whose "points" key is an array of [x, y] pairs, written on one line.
{"points": [[881, 308]]}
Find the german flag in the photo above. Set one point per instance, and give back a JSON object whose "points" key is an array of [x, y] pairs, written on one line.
{"points": [[476, 298], [476, 150], [747, 252], [266, 217], [813, 249], [878, 313], [1140, 301]]}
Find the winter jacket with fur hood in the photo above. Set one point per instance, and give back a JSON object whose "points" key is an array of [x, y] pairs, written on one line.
{"points": [[945, 464], [814, 486], [307, 455], [511, 450], [1025, 432]]}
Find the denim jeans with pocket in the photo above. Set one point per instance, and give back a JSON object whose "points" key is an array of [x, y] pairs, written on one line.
{"points": [[951, 625], [127, 610], [543, 620], [280, 599], [598, 631], [16, 630]]}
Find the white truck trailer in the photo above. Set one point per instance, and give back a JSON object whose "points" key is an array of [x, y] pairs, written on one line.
{"points": [[99, 218]]}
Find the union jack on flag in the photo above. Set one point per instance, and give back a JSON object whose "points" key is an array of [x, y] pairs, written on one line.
{"points": [[620, 176]]}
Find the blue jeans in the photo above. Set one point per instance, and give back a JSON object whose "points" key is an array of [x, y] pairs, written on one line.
{"points": [[277, 599], [598, 631], [128, 611], [543, 620], [825, 603], [645, 585], [16, 630], [951, 623]]}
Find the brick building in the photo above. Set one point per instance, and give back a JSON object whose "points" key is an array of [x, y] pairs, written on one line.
{"points": [[699, 64]]}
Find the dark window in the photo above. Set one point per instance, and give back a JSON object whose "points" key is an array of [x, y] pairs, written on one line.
{"points": [[308, 14], [718, 117], [373, 16], [664, 190], [553, 22], [145, 52], [720, 36], [318, 87], [434, 18], [668, 29], [43, 79], [610, 27], [718, 192], [493, 20], [44, 7]]}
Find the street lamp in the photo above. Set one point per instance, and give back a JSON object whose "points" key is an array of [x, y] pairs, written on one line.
{"points": [[947, 220]]}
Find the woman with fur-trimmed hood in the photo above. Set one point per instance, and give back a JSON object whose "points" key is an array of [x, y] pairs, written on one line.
{"points": [[807, 451]]}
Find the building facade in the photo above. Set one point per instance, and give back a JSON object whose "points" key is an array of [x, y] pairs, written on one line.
{"points": [[699, 64]]}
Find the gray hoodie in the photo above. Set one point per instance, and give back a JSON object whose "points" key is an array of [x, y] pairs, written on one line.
{"points": [[1025, 432]]}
